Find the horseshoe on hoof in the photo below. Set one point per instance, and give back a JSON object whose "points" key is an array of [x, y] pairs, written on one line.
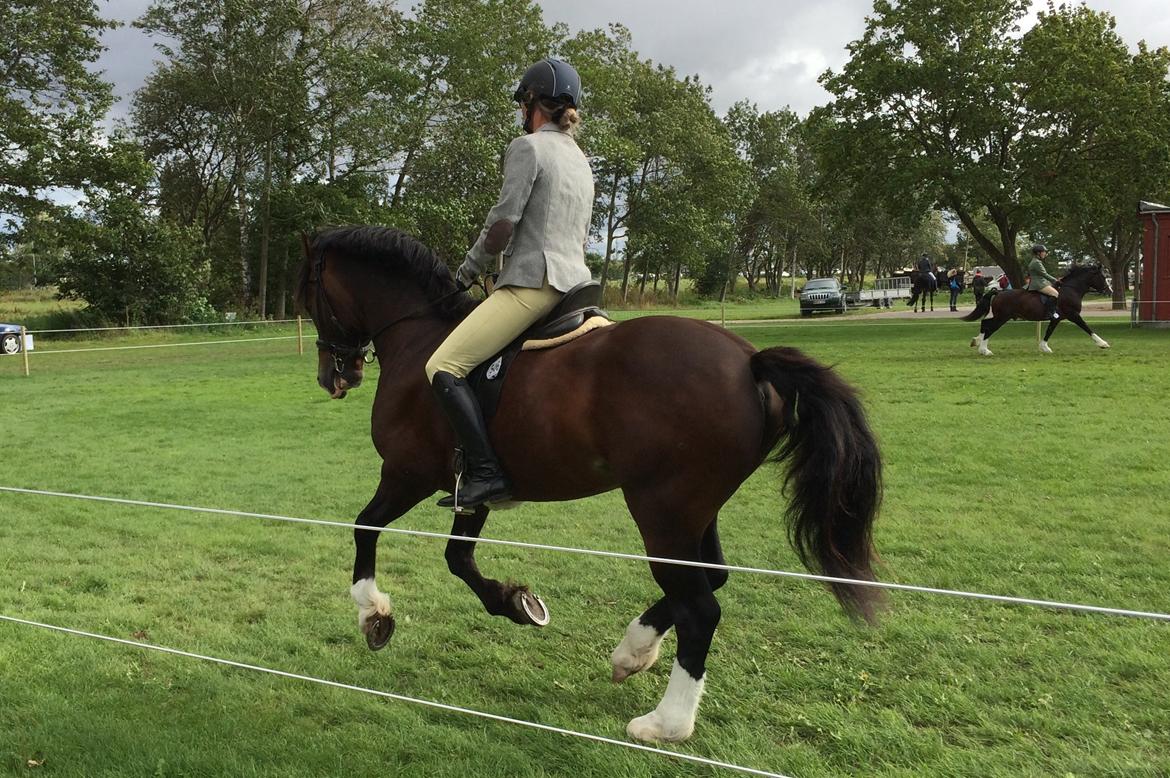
{"points": [[532, 607], [378, 632]]}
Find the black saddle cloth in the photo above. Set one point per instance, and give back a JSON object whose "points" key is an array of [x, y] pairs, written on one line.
{"points": [[581, 302]]}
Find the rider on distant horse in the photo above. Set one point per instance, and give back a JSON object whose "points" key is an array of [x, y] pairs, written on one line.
{"points": [[924, 266], [540, 225], [1041, 281]]}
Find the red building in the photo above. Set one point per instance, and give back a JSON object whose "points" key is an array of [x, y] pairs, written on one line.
{"points": [[1153, 292]]}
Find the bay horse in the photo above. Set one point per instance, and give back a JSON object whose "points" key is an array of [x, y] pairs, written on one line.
{"points": [[674, 412], [922, 285], [1029, 306]]}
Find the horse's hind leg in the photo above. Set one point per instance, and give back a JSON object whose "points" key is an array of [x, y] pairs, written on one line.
{"points": [[988, 328], [511, 600], [678, 534], [639, 648]]}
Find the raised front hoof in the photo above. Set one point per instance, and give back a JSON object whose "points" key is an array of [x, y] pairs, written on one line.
{"points": [[527, 608], [974, 342], [653, 728], [379, 630]]}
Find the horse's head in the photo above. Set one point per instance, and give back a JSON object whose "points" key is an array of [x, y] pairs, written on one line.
{"points": [[359, 282], [1092, 276], [343, 349]]}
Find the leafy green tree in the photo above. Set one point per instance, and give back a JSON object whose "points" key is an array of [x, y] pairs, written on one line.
{"points": [[131, 265], [907, 125], [50, 102], [1118, 102]]}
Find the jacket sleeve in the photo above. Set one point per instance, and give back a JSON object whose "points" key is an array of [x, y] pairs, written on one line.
{"points": [[1037, 269], [520, 171]]}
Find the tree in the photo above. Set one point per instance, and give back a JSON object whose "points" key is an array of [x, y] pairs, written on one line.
{"points": [[909, 128], [50, 103], [129, 264], [1123, 102]]}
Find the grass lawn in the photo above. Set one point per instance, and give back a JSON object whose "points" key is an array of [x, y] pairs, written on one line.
{"points": [[1016, 474]]}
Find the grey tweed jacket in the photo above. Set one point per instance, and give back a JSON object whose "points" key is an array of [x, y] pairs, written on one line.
{"points": [[542, 218]]}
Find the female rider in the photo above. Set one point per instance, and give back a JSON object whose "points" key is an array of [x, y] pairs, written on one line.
{"points": [[1040, 280], [540, 225]]}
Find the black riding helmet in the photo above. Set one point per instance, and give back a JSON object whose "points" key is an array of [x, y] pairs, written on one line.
{"points": [[1038, 248], [549, 79]]}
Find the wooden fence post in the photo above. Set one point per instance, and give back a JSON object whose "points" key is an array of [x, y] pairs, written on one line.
{"points": [[300, 337], [24, 347]]}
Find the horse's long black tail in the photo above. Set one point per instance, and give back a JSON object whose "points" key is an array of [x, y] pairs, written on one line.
{"points": [[834, 479], [980, 310]]}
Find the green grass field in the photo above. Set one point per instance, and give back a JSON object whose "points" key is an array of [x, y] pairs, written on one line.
{"points": [[1017, 474]]}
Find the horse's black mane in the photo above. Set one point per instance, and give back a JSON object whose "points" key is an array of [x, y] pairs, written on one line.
{"points": [[399, 253], [1078, 270]]}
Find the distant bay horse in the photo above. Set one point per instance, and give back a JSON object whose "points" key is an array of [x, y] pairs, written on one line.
{"points": [[1022, 304], [674, 412]]}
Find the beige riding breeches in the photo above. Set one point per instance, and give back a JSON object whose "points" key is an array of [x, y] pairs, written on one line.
{"points": [[494, 323], [1050, 291]]}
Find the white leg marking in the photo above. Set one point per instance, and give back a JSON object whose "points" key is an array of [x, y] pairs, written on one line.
{"points": [[674, 718], [983, 349], [1044, 347], [637, 651], [1100, 341], [369, 600]]}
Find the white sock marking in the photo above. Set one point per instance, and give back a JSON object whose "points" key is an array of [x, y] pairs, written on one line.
{"points": [[637, 651], [369, 600], [1100, 341], [674, 718]]}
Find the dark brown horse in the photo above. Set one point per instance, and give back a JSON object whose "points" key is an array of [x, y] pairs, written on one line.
{"points": [[675, 413], [923, 285], [1029, 306]]}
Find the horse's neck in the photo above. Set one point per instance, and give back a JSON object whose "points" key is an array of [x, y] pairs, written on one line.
{"points": [[410, 342], [1078, 284]]}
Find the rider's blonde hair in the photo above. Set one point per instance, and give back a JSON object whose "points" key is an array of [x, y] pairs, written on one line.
{"points": [[564, 116]]}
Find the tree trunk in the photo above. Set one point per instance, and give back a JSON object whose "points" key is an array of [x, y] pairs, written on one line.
{"points": [[242, 216], [265, 227], [610, 228]]}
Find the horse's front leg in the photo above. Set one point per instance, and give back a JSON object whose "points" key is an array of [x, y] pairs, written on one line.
{"points": [[499, 599], [375, 614], [1076, 319], [1044, 348]]}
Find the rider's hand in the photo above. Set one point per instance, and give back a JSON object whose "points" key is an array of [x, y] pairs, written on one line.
{"points": [[464, 278]]}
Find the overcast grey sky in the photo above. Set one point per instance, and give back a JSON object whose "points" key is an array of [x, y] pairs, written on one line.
{"points": [[769, 51]]}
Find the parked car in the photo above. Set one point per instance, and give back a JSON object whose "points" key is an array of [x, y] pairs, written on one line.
{"points": [[9, 339], [822, 294]]}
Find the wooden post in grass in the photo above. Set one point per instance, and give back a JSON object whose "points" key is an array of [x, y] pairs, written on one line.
{"points": [[300, 336], [1038, 334], [24, 347]]}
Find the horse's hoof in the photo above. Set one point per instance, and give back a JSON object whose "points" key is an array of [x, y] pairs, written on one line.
{"points": [[652, 728], [378, 631], [531, 607], [974, 342]]}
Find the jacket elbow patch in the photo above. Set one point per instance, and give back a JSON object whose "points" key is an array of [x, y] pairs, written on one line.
{"points": [[498, 236]]}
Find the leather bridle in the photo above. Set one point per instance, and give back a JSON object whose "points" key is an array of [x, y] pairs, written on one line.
{"points": [[359, 347]]}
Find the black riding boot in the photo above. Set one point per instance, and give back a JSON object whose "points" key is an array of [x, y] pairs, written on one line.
{"points": [[1050, 307], [482, 480]]}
